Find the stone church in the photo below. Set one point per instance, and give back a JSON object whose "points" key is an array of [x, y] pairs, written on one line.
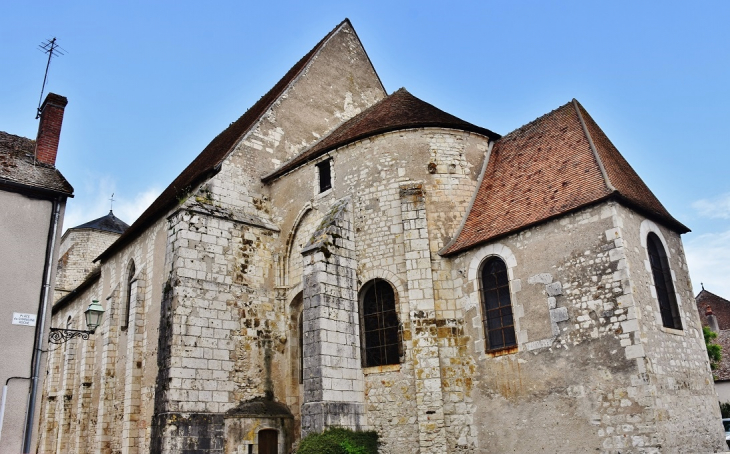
{"points": [[341, 256]]}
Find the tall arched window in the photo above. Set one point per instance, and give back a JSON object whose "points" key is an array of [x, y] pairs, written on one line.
{"points": [[379, 324], [663, 282], [128, 295], [499, 329]]}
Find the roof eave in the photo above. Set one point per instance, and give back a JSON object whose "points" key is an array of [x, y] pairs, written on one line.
{"points": [[672, 224], [26, 188], [69, 297], [294, 164], [136, 229]]}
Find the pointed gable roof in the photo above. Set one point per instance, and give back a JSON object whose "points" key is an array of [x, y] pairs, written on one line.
{"points": [[108, 223], [400, 110], [720, 307], [208, 162], [554, 165]]}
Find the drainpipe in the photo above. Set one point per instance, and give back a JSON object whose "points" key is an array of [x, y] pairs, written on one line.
{"points": [[41, 325]]}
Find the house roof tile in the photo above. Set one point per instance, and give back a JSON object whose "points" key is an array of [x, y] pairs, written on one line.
{"points": [[547, 168], [18, 166]]}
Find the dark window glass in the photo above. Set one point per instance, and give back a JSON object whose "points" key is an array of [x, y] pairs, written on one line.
{"points": [[381, 339], [663, 283], [325, 175], [301, 348], [128, 296], [497, 306]]}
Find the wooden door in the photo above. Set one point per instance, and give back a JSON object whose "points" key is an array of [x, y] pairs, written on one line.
{"points": [[268, 441]]}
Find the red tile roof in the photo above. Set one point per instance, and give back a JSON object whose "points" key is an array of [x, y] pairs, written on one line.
{"points": [[558, 163], [720, 307], [400, 110], [18, 166], [208, 161]]}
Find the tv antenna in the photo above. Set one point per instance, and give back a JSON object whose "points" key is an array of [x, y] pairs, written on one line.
{"points": [[49, 47]]}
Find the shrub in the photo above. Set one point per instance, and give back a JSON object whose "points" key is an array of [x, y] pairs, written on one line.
{"points": [[337, 440], [714, 351], [725, 409]]}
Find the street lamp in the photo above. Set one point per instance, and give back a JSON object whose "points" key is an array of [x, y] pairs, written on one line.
{"points": [[93, 319]]}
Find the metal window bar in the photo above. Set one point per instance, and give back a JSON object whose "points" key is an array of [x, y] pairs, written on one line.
{"points": [[497, 317], [380, 328]]}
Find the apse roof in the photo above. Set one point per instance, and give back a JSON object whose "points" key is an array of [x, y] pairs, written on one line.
{"points": [[400, 110], [558, 163]]}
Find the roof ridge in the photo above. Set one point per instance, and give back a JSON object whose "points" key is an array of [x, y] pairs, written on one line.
{"points": [[533, 122], [713, 294], [208, 161], [592, 146], [348, 133]]}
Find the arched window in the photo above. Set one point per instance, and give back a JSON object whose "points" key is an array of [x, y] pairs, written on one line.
{"points": [[379, 324], [499, 326], [128, 295], [663, 282]]}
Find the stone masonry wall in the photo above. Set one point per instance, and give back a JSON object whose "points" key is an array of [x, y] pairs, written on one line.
{"points": [[78, 249], [376, 186], [333, 380], [222, 329], [676, 363], [111, 398], [580, 363]]}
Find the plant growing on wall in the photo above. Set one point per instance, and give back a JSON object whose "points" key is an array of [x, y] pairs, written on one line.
{"points": [[339, 441], [714, 351]]}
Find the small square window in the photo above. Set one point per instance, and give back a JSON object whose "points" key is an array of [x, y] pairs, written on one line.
{"points": [[325, 175]]}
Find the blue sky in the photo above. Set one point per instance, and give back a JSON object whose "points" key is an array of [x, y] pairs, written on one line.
{"points": [[151, 83]]}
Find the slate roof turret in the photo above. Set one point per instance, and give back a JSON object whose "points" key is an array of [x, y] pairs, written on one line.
{"points": [[108, 223]]}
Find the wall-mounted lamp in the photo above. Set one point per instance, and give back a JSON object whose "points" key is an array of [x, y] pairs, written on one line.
{"points": [[93, 319]]}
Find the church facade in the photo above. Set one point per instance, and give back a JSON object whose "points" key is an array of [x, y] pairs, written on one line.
{"points": [[339, 256]]}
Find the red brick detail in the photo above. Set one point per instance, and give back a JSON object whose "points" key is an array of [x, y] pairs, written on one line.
{"points": [[49, 128]]}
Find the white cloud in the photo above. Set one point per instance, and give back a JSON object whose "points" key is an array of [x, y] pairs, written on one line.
{"points": [[708, 257], [717, 207], [92, 201]]}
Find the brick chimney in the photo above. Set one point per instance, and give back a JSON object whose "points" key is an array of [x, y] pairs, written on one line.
{"points": [[49, 128]]}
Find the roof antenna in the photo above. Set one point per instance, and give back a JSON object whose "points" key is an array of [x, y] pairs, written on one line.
{"points": [[53, 50], [111, 203]]}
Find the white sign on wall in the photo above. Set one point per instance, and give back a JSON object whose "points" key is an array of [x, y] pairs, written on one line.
{"points": [[23, 319]]}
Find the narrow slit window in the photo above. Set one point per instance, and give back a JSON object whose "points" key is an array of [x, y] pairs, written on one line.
{"points": [[381, 338], [663, 283], [497, 317], [128, 296], [325, 175]]}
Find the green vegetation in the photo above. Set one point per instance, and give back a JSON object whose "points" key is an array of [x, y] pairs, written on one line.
{"points": [[725, 409], [714, 351], [339, 441]]}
